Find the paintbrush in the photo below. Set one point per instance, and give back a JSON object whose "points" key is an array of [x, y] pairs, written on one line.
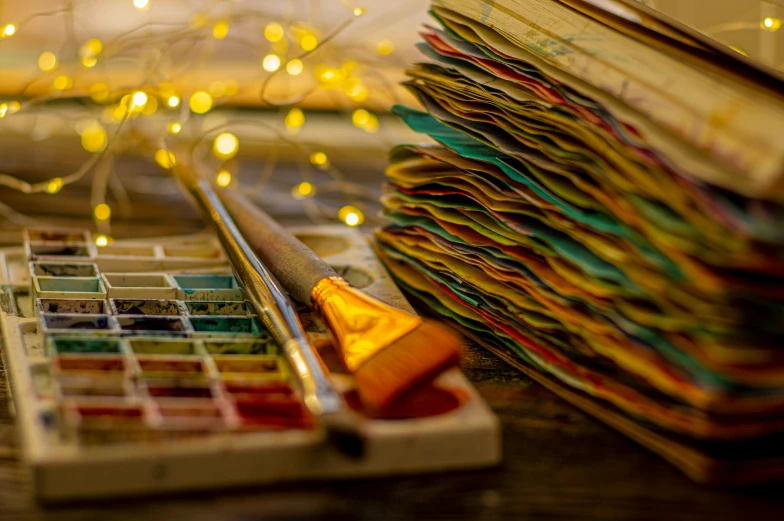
{"points": [[278, 314], [389, 351]]}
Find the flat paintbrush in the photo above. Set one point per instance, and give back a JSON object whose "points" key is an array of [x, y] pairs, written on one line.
{"points": [[388, 350], [276, 311]]}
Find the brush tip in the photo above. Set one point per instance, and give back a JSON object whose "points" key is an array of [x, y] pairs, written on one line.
{"points": [[412, 360]]}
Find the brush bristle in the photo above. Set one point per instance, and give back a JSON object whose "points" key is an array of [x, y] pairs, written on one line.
{"points": [[414, 359]]}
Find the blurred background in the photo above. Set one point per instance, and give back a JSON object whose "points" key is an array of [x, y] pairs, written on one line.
{"points": [[289, 99]]}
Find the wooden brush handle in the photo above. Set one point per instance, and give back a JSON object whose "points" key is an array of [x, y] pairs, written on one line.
{"points": [[295, 265]]}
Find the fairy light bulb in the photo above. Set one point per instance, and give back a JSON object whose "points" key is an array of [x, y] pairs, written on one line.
{"points": [[3, 110], [139, 99], [174, 127], [274, 32], [200, 102], [223, 178], [141, 5], [102, 240], [319, 159], [165, 158], [351, 215], [47, 61], [355, 89], [102, 212], [92, 47], [294, 119], [220, 30], [14, 107], [295, 67], [9, 30], [54, 186], [62, 83], [360, 118], [93, 137], [303, 190], [359, 11], [225, 145], [89, 62], [385, 47], [271, 62], [173, 101], [770, 24], [308, 42]]}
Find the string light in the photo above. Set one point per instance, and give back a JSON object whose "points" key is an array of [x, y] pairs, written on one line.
{"points": [[102, 240], [360, 118], [351, 215], [139, 99], [174, 127], [308, 42], [200, 102], [274, 32], [770, 24], [173, 101], [9, 30], [47, 61], [294, 120], [54, 186], [355, 89], [223, 178], [225, 145], [385, 47], [3, 110], [319, 159], [271, 63], [102, 212], [220, 30], [92, 47], [359, 11], [93, 137], [141, 5], [62, 83], [89, 62], [295, 67], [165, 158], [303, 190]]}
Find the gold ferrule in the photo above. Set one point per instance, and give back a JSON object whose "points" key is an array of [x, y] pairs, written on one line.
{"points": [[362, 325]]}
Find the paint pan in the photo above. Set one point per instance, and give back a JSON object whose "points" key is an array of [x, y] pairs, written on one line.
{"points": [[248, 367], [231, 308], [152, 325], [163, 346], [69, 287], [208, 287], [38, 235], [138, 285], [64, 345], [171, 367], [64, 269], [72, 306], [145, 307], [227, 325], [41, 250], [75, 323], [201, 252], [265, 346], [104, 365], [160, 390]]}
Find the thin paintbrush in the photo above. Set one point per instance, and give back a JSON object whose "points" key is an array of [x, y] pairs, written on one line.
{"points": [[388, 350], [279, 316]]}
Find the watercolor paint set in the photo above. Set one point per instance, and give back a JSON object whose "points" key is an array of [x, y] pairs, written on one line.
{"points": [[139, 367]]}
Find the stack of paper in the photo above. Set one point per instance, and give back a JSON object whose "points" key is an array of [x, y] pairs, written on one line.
{"points": [[604, 209]]}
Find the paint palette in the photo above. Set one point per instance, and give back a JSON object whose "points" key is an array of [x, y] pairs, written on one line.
{"points": [[140, 368]]}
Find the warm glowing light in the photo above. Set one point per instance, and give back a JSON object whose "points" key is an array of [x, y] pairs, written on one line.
{"points": [[200, 102], [3, 110], [141, 4], [355, 89], [220, 30], [303, 190], [225, 145], [102, 212], [89, 62], [173, 101], [274, 32], [771, 24], [308, 42], [174, 127], [319, 158], [165, 158], [54, 186], [102, 240], [359, 11], [9, 30], [351, 215], [385, 47], [295, 118], [295, 67], [217, 89], [329, 75], [271, 62], [47, 61], [139, 99], [360, 118], [62, 83], [93, 137], [223, 178], [150, 107], [371, 127], [14, 107], [91, 47]]}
